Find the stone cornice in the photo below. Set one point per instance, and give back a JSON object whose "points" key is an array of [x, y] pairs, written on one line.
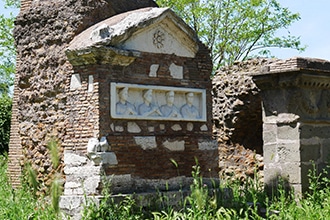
{"points": [[101, 55]]}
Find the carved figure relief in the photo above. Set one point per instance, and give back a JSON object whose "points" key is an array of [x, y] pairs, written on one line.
{"points": [[189, 110], [169, 109], [312, 103], [157, 102], [147, 108], [123, 107]]}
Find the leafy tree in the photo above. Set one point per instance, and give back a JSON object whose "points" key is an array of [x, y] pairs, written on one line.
{"points": [[7, 69], [234, 29], [5, 116], [7, 49]]}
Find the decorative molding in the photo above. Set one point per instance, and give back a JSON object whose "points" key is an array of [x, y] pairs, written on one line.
{"points": [[146, 102], [158, 39]]}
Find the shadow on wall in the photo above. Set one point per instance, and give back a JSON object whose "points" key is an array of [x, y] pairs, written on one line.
{"points": [[237, 110], [278, 185]]}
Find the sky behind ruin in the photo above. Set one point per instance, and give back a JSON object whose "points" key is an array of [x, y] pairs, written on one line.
{"points": [[313, 28]]}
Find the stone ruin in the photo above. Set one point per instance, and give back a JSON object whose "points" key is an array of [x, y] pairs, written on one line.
{"points": [[123, 85], [292, 123], [111, 80]]}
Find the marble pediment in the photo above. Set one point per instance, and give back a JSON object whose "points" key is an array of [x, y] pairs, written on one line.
{"points": [[153, 30]]}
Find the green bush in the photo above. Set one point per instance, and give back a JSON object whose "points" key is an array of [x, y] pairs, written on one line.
{"points": [[5, 117]]}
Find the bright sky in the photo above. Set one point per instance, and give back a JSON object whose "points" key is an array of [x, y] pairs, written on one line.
{"points": [[313, 28]]}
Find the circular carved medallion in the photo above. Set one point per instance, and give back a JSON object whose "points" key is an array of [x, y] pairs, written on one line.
{"points": [[158, 39]]}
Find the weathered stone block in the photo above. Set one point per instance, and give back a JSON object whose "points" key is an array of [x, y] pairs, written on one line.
{"points": [[121, 183], [288, 152], [176, 127], [174, 145], [91, 185], [273, 172], [147, 142], [310, 131], [325, 150], [73, 188], [310, 153], [208, 145], [270, 153], [132, 127], [269, 136], [288, 132], [176, 71], [109, 158], [204, 128], [72, 206], [82, 171], [71, 159], [293, 171]]}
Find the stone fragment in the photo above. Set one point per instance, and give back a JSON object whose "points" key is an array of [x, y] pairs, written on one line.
{"points": [[153, 70], [176, 127], [93, 146], [190, 126], [174, 145], [75, 82], [132, 127], [176, 71], [119, 128], [204, 128], [146, 142], [104, 146], [109, 158], [90, 83], [74, 159], [208, 145]]}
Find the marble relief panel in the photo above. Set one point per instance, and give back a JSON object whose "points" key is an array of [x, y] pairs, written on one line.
{"points": [[134, 101]]}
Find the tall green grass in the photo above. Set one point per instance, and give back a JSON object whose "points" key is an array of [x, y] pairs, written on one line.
{"points": [[232, 200], [21, 203]]}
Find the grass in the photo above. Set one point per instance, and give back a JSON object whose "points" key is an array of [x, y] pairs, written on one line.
{"points": [[21, 203], [232, 200]]}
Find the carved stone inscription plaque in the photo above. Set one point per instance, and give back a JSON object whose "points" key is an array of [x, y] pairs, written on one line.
{"points": [[133, 101]]}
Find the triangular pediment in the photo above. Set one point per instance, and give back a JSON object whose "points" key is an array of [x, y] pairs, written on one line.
{"points": [[162, 37], [153, 30]]}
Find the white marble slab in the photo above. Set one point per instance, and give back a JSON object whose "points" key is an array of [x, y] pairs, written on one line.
{"points": [[149, 102]]}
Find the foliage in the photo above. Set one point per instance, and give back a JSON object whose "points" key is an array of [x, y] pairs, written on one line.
{"points": [[20, 203], [7, 49], [246, 201], [5, 117], [34, 185], [233, 29], [54, 150], [108, 209], [12, 3]]}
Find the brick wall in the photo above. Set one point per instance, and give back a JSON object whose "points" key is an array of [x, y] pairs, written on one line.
{"points": [[132, 159], [42, 33]]}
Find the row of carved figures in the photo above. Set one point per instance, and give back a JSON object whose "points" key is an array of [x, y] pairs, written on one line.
{"points": [[147, 108]]}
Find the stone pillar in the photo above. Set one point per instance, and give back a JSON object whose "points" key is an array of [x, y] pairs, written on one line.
{"points": [[296, 122]]}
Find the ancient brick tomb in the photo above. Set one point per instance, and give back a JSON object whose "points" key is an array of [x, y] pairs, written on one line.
{"points": [[140, 105]]}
